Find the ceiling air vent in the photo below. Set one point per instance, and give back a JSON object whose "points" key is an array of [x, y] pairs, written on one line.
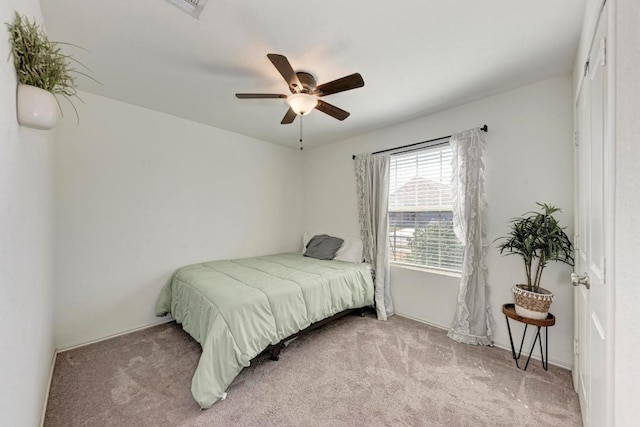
{"points": [[192, 7]]}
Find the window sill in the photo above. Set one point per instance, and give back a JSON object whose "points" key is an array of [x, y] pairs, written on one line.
{"points": [[425, 269]]}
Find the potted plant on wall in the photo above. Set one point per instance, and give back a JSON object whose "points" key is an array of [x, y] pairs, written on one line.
{"points": [[43, 72], [536, 236]]}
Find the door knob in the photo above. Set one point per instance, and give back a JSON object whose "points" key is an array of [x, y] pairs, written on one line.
{"points": [[580, 279]]}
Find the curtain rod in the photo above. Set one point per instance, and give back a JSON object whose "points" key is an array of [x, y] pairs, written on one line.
{"points": [[484, 128]]}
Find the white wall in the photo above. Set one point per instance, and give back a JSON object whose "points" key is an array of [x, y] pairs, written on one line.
{"points": [[627, 206], [26, 248], [141, 193], [529, 158]]}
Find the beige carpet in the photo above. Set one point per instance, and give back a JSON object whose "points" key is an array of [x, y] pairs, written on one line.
{"points": [[355, 372]]}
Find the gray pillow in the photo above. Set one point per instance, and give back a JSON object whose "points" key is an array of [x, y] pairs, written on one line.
{"points": [[323, 246]]}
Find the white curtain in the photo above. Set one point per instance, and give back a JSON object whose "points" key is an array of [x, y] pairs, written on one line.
{"points": [[473, 323], [372, 181]]}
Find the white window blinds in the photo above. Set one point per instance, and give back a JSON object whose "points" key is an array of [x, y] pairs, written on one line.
{"points": [[420, 210]]}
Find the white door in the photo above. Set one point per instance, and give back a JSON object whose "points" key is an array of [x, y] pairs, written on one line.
{"points": [[593, 295]]}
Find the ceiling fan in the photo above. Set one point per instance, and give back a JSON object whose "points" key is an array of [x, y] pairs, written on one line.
{"points": [[305, 92]]}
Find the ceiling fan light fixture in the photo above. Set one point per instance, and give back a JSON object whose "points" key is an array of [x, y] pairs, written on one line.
{"points": [[302, 103], [306, 93]]}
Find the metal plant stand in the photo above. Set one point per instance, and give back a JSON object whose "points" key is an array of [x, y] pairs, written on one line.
{"points": [[509, 311]]}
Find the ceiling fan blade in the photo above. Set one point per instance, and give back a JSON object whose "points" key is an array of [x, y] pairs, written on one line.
{"points": [[259, 95], [352, 81], [332, 110], [284, 68], [289, 117]]}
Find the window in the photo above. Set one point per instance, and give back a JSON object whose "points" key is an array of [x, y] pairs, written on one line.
{"points": [[420, 210]]}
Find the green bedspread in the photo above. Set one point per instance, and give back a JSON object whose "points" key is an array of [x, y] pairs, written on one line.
{"points": [[236, 308]]}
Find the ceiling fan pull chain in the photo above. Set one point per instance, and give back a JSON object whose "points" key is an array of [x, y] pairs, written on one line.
{"points": [[301, 133]]}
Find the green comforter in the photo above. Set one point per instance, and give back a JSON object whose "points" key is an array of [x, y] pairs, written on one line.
{"points": [[236, 308]]}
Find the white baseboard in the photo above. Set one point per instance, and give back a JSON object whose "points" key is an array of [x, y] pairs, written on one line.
{"points": [[503, 346], [426, 322], [554, 362], [117, 334], [46, 396]]}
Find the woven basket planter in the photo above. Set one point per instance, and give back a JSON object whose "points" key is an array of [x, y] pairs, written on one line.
{"points": [[534, 305]]}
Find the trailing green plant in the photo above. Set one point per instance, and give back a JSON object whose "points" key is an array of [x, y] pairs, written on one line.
{"points": [[537, 236], [40, 62]]}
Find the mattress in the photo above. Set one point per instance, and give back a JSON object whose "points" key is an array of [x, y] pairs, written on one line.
{"points": [[236, 308]]}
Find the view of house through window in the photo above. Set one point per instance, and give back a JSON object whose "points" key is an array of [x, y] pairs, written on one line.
{"points": [[420, 210]]}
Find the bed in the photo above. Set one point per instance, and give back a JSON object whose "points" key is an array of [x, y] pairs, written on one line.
{"points": [[238, 308]]}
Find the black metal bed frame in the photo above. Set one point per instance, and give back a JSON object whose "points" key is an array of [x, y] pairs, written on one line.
{"points": [[274, 350]]}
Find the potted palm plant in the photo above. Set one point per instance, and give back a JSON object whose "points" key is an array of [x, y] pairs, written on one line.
{"points": [[536, 236], [43, 71]]}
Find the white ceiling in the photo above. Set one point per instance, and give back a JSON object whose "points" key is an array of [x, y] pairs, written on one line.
{"points": [[416, 56]]}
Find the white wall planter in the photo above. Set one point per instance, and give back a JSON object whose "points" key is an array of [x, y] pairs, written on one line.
{"points": [[37, 108]]}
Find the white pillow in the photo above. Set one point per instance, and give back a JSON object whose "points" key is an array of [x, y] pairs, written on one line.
{"points": [[350, 251]]}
